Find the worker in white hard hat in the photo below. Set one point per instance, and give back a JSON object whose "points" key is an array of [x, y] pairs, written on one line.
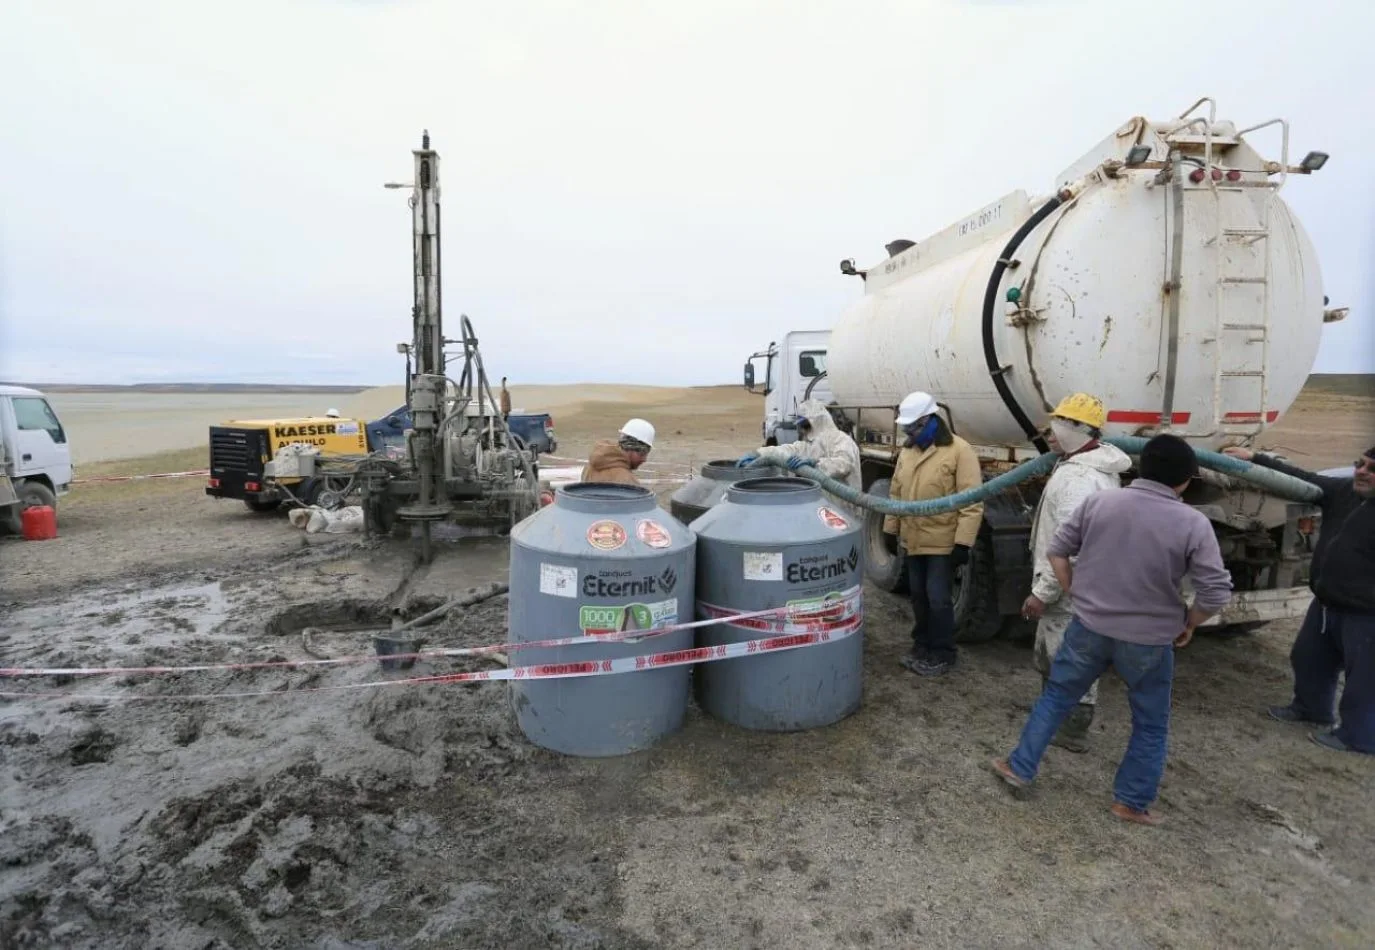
{"points": [[1086, 466], [332, 413], [823, 445], [933, 464], [616, 462]]}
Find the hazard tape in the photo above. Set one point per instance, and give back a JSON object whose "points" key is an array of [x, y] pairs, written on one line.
{"points": [[848, 600], [809, 616], [575, 670], [134, 478]]}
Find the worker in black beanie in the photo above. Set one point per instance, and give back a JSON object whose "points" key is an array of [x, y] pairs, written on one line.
{"points": [[1338, 634], [1169, 460]]}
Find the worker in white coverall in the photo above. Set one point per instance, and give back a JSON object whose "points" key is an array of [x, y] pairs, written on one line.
{"points": [[1086, 466], [823, 445]]}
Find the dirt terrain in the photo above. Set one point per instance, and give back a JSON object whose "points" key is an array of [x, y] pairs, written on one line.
{"points": [[418, 816]]}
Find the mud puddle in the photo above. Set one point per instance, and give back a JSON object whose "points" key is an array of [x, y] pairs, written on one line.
{"points": [[370, 817]]}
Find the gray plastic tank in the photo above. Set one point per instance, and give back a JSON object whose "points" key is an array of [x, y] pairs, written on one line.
{"points": [[601, 558], [706, 489], [773, 542]]}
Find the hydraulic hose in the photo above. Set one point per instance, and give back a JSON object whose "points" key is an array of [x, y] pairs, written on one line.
{"points": [[995, 279], [1277, 483]]}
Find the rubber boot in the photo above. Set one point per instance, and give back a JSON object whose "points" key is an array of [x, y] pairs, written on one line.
{"points": [[1073, 734]]}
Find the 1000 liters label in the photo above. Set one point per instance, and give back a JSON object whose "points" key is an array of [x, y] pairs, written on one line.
{"points": [[599, 620]]}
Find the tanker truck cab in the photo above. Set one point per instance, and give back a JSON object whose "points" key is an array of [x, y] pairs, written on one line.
{"points": [[793, 372], [35, 459]]}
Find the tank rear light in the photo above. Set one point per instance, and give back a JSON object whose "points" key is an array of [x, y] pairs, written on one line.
{"points": [[1305, 526], [252, 486], [1217, 174], [1196, 175], [214, 483], [1233, 175]]}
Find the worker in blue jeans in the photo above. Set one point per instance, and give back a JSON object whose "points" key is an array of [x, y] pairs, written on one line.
{"points": [[1134, 547]]}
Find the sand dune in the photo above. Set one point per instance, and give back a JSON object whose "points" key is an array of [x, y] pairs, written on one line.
{"points": [[566, 400]]}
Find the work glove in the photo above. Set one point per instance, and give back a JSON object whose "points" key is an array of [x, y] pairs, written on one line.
{"points": [[747, 461], [794, 463], [959, 557]]}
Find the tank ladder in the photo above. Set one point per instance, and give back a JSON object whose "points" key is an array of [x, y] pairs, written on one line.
{"points": [[1257, 328]]}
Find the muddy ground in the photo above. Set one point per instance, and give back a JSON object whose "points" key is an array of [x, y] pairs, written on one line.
{"points": [[418, 816]]}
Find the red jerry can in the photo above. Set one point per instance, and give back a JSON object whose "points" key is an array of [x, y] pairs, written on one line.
{"points": [[39, 523]]}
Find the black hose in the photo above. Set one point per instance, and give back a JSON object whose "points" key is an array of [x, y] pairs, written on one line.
{"points": [[990, 304]]}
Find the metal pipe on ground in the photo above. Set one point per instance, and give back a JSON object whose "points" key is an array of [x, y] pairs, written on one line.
{"points": [[390, 644]]}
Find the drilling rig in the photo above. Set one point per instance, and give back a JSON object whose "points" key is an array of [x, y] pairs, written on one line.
{"points": [[462, 463]]}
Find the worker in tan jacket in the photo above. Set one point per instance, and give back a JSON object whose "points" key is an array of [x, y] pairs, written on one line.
{"points": [[934, 463], [615, 462]]}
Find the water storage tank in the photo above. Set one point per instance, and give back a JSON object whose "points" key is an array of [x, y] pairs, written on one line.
{"points": [[1199, 298], [776, 542], [706, 489], [601, 559]]}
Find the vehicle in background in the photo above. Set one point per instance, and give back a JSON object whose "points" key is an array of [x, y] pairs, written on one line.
{"points": [[243, 451], [535, 429], [792, 372], [1163, 274], [35, 459], [242, 454]]}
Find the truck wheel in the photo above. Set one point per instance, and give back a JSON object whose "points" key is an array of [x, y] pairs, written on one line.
{"points": [[883, 553], [976, 596], [31, 495], [262, 507]]}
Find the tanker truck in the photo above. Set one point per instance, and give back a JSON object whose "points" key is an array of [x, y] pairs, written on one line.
{"points": [[1163, 273]]}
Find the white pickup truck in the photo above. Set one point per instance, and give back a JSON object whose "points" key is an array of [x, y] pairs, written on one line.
{"points": [[35, 460]]}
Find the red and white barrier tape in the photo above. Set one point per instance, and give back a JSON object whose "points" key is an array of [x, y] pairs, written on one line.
{"points": [[654, 661], [800, 618], [134, 478]]}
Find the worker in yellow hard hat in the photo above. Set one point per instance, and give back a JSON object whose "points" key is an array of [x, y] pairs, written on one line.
{"points": [[1086, 466]]}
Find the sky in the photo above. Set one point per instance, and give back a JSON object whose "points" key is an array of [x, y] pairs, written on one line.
{"points": [[634, 191]]}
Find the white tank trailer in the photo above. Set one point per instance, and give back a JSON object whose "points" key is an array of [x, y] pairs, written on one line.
{"points": [[1162, 273]]}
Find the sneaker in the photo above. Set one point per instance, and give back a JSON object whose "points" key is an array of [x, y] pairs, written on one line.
{"points": [[911, 661], [1004, 772], [1136, 816], [1290, 714], [930, 667], [1329, 740]]}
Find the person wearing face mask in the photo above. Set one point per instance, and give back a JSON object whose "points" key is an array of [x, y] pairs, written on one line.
{"points": [[823, 445], [1086, 466], [934, 463], [1338, 634]]}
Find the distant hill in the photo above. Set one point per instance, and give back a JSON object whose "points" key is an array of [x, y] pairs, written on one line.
{"points": [[188, 388], [1342, 384]]}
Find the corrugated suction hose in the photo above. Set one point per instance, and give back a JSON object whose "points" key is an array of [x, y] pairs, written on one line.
{"points": [[1276, 483]]}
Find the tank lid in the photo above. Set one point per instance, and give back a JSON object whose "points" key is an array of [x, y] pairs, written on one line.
{"points": [[724, 470], [603, 497], [773, 490]]}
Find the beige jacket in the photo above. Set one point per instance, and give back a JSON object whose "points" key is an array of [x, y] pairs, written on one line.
{"points": [[935, 472], [608, 463]]}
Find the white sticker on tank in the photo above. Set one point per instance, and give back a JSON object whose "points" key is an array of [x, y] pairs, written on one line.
{"points": [[558, 581], [346, 428], [763, 566]]}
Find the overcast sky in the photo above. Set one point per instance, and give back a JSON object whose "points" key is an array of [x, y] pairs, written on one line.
{"points": [[192, 190]]}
